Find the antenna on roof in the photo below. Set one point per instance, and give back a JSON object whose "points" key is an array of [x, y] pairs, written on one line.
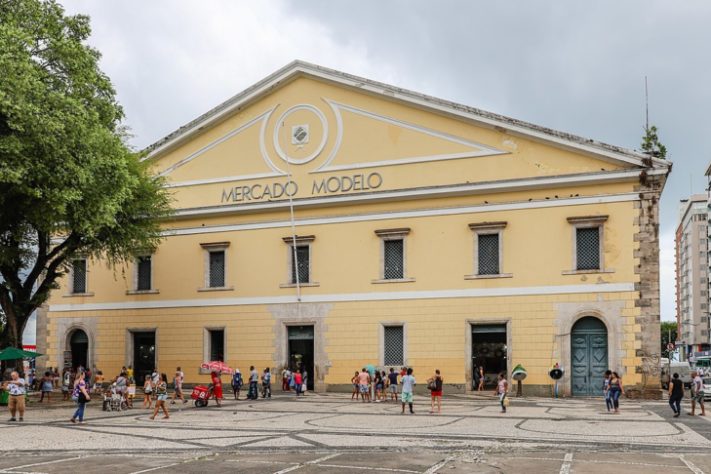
{"points": [[646, 105]]}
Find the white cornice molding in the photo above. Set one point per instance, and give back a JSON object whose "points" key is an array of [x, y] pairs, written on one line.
{"points": [[491, 120], [416, 193], [447, 211], [343, 297]]}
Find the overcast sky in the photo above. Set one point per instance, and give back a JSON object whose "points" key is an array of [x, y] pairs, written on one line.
{"points": [[577, 67]]}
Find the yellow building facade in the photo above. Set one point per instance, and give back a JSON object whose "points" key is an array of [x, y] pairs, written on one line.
{"points": [[329, 221]]}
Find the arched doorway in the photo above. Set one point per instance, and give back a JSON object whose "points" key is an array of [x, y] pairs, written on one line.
{"points": [[588, 350], [79, 346]]}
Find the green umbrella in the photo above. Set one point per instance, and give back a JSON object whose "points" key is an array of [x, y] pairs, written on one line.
{"points": [[13, 353]]}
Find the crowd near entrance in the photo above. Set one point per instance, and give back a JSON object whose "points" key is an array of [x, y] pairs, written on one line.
{"points": [[489, 350], [144, 354], [301, 351], [588, 356]]}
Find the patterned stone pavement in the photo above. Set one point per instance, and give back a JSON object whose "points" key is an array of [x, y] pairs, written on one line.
{"points": [[331, 433]]}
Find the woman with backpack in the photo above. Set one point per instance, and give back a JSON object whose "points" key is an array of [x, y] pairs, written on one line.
{"points": [[237, 383], [434, 384]]}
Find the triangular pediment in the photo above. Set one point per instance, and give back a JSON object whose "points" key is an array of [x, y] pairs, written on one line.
{"points": [[306, 124]]}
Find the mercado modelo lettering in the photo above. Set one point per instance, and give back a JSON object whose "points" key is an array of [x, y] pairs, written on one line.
{"points": [[334, 184]]}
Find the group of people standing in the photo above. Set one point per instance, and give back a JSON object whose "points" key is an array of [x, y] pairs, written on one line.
{"points": [[253, 381], [373, 385]]}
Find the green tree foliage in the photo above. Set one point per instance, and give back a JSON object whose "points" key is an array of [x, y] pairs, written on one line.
{"points": [[651, 144], [69, 185], [669, 334]]}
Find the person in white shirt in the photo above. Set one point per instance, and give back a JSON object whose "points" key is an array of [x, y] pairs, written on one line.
{"points": [[697, 394], [178, 386], [16, 386]]}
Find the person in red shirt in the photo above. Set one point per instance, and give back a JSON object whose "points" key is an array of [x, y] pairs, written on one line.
{"points": [[217, 387], [298, 381]]}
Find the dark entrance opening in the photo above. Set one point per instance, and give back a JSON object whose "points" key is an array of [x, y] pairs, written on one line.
{"points": [[144, 354], [588, 350], [79, 345], [489, 350], [301, 351]]}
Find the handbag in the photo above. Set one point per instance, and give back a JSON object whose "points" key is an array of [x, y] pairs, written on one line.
{"points": [[506, 402], [82, 398], [431, 385]]}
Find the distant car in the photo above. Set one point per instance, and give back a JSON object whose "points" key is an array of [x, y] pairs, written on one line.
{"points": [[681, 368], [707, 389]]}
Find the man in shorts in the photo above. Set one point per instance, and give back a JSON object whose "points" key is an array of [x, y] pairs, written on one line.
{"points": [[392, 384], [364, 385], [408, 386], [16, 403], [697, 394]]}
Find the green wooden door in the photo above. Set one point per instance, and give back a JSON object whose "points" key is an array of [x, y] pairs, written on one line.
{"points": [[588, 356]]}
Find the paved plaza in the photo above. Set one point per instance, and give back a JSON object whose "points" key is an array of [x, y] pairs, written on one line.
{"points": [[330, 433]]}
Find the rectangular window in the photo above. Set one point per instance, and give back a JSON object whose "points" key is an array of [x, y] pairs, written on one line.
{"points": [[587, 248], [393, 255], [217, 344], [79, 276], [393, 345], [300, 264], [488, 254], [216, 275], [143, 273]]}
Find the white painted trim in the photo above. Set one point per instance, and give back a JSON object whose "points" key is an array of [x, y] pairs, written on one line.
{"points": [[422, 193], [372, 296], [319, 148], [298, 68], [477, 151], [264, 116], [580, 201], [224, 179]]}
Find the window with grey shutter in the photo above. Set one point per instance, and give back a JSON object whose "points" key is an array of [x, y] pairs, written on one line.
{"points": [[393, 255], [393, 345], [143, 277], [587, 248], [79, 276], [217, 269], [300, 262], [488, 254]]}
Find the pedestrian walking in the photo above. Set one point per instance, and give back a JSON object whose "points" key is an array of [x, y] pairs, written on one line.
{"points": [[298, 381], [217, 387], [434, 384], [162, 397], [81, 396], [392, 384], [616, 389], [253, 380], [237, 383], [285, 374], [66, 382], [482, 379], [304, 380], [408, 386], [17, 388], [676, 393], [178, 386], [266, 383], [502, 388], [606, 389], [697, 394], [46, 386], [147, 392]]}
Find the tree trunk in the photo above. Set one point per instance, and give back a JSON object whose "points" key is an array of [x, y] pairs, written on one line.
{"points": [[12, 336]]}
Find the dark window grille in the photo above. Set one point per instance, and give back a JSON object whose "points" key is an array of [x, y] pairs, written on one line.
{"points": [[143, 282], [79, 276], [301, 264], [394, 345], [217, 345], [393, 251], [488, 254], [217, 269], [587, 241]]}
